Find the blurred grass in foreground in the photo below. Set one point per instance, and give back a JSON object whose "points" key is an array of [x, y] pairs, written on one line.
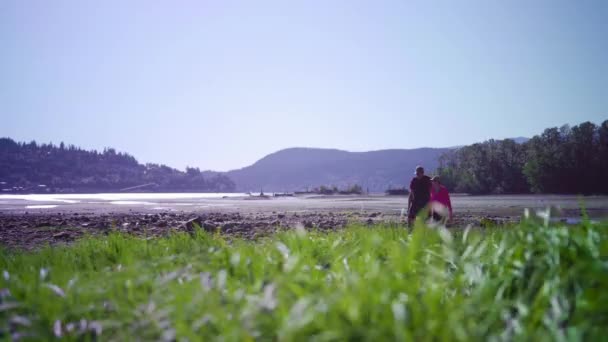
{"points": [[533, 281]]}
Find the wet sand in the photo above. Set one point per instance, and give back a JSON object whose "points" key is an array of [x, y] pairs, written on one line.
{"points": [[28, 224]]}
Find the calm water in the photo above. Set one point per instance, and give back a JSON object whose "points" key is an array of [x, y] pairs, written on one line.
{"points": [[507, 205], [111, 198]]}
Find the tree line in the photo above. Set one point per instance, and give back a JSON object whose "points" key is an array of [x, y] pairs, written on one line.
{"points": [[33, 167], [333, 190], [565, 160]]}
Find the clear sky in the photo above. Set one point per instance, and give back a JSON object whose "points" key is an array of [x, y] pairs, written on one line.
{"points": [[219, 84]]}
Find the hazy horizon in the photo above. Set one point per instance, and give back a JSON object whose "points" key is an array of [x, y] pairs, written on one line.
{"points": [[219, 85]]}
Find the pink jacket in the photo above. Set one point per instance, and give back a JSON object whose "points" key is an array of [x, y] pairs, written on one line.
{"points": [[442, 196]]}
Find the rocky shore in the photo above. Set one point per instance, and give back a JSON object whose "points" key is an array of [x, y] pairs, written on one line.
{"points": [[31, 230]]}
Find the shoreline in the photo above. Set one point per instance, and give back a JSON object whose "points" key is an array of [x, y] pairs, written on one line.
{"points": [[55, 223], [32, 230]]}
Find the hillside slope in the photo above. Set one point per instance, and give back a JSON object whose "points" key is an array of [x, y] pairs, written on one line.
{"points": [[296, 169]]}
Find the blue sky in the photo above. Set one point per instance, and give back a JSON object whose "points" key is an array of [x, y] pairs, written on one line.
{"points": [[219, 84]]}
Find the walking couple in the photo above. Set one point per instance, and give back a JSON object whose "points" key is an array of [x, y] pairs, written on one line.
{"points": [[428, 197]]}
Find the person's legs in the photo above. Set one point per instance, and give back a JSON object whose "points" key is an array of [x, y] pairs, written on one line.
{"points": [[416, 210], [411, 215]]}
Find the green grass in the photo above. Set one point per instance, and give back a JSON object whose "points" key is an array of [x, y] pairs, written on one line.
{"points": [[526, 282]]}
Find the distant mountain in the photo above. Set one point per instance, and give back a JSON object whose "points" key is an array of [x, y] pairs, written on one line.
{"points": [[296, 169], [30, 167]]}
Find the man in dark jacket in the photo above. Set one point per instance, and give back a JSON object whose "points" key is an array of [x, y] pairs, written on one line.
{"points": [[420, 194]]}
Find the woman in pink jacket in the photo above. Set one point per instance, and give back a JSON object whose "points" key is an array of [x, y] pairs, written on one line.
{"points": [[441, 206]]}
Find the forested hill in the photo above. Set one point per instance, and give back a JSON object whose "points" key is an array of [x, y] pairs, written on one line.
{"points": [[566, 160], [34, 168], [560, 160], [296, 169]]}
